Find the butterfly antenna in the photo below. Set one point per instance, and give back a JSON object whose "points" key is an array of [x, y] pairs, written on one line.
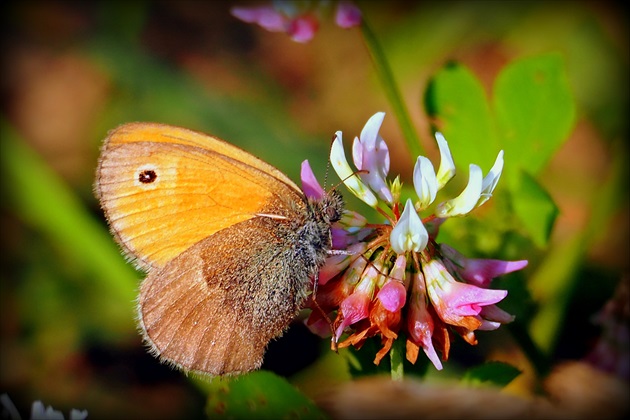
{"points": [[328, 163], [355, 173]]}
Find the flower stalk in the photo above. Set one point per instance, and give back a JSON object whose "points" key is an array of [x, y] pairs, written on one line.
{"points": [[386, 77], [397, 361]]}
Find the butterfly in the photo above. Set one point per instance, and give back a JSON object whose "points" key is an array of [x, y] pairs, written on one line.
{"points": [[229, 243]]}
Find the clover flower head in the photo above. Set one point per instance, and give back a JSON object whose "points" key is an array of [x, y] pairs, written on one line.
{"points": [[299, 19], [394, 277]]}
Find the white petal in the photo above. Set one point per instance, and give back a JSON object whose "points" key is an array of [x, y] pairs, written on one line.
{"points": [[447, 167], [373, 162], [424, 181], [347, 175], [371, 157], [409, 234], [490, 181], [467, 200], [369, 134]]}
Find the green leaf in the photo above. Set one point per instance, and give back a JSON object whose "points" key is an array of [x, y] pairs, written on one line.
{"points": [[535, 208], [492, 373], [456, 98], [535, 111], [532, 115], [258, 395]]}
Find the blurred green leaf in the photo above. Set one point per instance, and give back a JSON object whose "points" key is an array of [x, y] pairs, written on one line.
{"points": [[532, 114], [492, 373], [37, 195], [435, 29], [535, 111], [455, 97], [258, 395], [535, 208], [553, 284]]}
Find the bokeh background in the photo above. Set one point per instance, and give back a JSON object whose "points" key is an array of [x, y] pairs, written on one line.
{"points": [[73, 70]]}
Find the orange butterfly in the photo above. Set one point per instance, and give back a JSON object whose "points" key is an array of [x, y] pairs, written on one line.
{"points": [[230, 244]]}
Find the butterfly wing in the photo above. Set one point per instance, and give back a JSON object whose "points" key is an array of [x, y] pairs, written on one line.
{"points": [[163, 133], [165, 188], [214, 308]]}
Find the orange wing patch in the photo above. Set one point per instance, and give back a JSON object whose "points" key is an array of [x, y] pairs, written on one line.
{"points": [[163, 197], [162, 133]]}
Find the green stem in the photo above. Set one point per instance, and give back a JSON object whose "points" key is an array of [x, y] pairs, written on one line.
{"points": [[396, 359], [392, 92]]}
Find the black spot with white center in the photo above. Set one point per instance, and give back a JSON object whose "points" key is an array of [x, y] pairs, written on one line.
{"points": [[147, 176]]}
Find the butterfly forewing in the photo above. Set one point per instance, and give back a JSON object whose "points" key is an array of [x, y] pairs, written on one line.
{"points": [[161, 198]]}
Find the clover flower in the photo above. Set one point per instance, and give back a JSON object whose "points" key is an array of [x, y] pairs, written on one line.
{"points": [[394, 278], [299, 19]]}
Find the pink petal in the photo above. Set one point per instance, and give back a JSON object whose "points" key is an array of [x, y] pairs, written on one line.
{"points": [[341, 238], [488, 325], [392, 295], [354, 308], [419, 321], [479, 271], [310, 186], [453, 300], [496, 314], [348, 15], [467, 300], [265, 16], [421, 333], [303, 29]]}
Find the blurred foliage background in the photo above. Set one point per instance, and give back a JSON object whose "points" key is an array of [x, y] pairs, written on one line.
{"points": [[73, 70]]}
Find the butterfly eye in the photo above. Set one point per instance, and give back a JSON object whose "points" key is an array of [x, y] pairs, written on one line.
{"points": [[147, 176]]}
